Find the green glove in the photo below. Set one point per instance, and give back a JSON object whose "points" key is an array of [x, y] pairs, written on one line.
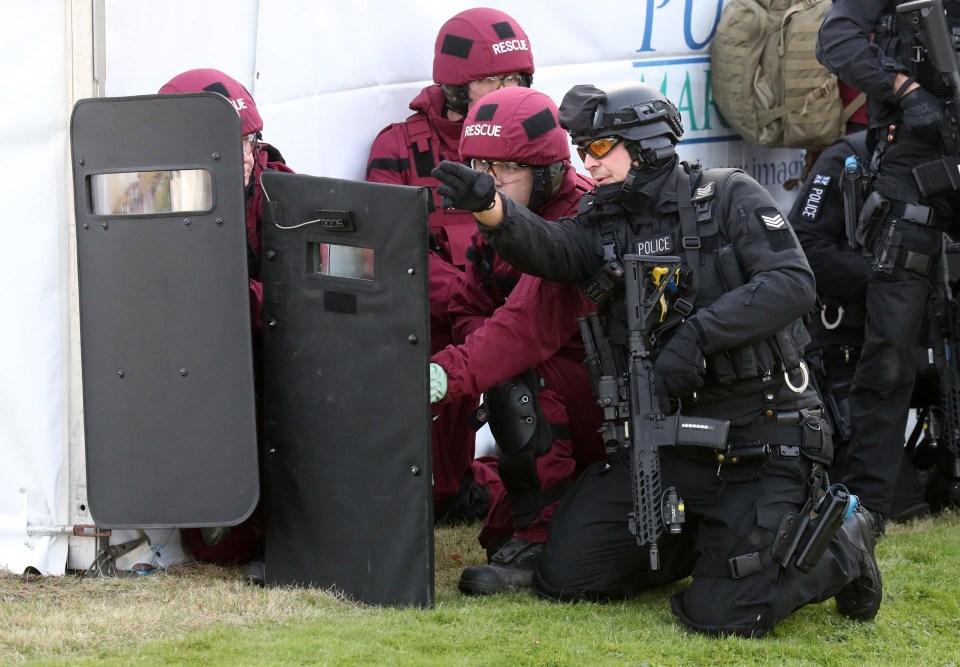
{"points": [[438, 383]]}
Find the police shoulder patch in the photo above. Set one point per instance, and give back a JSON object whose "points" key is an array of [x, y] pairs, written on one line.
{"points": [[778, 231], [813, 197]]}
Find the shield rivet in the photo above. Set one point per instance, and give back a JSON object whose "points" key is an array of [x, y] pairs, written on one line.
{"points": [[415, 471], [183, 372], [271, 254], [411, 271], [104, 225], [186, 222], [272, 323], [216, 156], [412, 339], [121, 374], [219, 221]]}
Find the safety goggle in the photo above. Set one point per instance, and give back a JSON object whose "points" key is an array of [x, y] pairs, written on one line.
{"points": [[497, 82], [505, 172], [250, 143], [598, 148]]}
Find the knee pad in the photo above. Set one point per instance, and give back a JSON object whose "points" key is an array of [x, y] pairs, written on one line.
{"points": [[516, 421], [522, 434]]}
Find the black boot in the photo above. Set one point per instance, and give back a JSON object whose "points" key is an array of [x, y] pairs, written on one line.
{"points": [[860, 599], [510, 569], [256, 572], [471, 503]]}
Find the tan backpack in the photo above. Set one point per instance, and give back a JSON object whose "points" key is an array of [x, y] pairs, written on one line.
{"points": [[766, 79]]}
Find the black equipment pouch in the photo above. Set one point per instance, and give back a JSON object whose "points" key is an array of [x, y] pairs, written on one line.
{"points": [[938, 176], [872, 215], [604, 282]]}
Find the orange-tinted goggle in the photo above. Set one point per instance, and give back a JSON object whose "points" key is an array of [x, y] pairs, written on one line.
{"points": [[598, 148]]}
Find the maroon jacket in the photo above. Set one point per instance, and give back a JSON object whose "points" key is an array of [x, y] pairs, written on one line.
{"points": [[489, 279], [511, 335], [254, 234], [405, 154], [537, 321]]}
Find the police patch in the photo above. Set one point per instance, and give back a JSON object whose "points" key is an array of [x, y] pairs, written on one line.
{"points": [[778, 231], [655, 245], [814, 197]]}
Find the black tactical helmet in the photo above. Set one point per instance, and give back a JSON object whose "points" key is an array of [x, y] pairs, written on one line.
{"points": [[634, 111]]}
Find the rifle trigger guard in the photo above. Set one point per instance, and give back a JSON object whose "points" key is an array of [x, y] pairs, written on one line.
{"points": [[831, 325], [803, 385]]}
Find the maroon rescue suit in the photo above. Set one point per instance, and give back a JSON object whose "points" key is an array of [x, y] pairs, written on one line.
{"points": [[536, 328], [469, 47]]}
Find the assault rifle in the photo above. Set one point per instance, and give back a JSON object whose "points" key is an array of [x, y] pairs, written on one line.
{"points": [[632, 414], [940, 175], [944, 423]]}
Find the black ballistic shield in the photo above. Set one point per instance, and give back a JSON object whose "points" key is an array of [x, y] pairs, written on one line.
{"points": [[347, 467], [168, 393]]}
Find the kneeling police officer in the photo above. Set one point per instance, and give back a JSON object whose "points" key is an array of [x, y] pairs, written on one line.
{"points": [[727, 347]]}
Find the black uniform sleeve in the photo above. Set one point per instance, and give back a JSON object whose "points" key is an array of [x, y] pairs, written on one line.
{"points": [[780, 286], [818, 220], [845, 48], [560, 251]]}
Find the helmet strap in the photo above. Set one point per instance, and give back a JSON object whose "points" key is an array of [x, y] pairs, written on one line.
{"points": [[456, 98], [538, 194]]}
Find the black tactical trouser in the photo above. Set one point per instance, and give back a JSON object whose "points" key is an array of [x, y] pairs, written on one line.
{"points": [[884, 380], [735, 514]]}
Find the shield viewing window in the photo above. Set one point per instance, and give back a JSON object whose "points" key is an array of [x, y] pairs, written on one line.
{"points": [[339, 261], [151, 192]]}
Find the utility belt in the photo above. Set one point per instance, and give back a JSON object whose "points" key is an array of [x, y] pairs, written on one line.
{"points": [[878, 234], [789, 435]]}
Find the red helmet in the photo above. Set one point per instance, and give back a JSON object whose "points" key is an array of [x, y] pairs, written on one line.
{"points": [[215, 81], [478, 43], [515, 125]]}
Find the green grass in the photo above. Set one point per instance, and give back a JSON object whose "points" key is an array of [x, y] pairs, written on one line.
{"points": [[208, 616]]}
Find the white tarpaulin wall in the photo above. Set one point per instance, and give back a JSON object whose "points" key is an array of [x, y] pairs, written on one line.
{"points": [[327, 76], [33, 336]]}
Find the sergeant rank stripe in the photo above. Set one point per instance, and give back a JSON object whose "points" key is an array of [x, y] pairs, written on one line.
{"points": [[777, 230], [703, 192], [774, 221]]}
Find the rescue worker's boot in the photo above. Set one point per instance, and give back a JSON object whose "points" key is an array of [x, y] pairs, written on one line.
{"points": [[510, 569], [471, 503], [860, 599]]}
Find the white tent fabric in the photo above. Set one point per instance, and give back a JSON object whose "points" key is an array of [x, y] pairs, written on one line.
{"points": [[33, 338]]}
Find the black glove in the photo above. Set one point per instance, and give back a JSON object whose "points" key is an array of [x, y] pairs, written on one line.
{"points": [[463, 187], [678, 370], [925, 116]]}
